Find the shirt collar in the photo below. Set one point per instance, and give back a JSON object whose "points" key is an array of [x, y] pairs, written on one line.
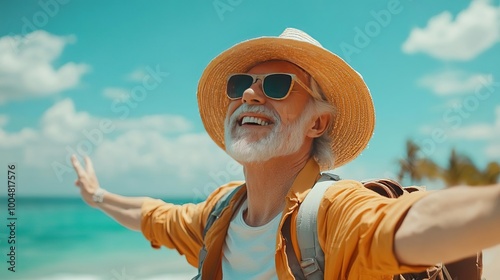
{"points": [[304, 181]]}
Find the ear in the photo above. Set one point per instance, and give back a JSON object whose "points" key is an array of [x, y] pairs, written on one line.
{"points": [[318, 126]]}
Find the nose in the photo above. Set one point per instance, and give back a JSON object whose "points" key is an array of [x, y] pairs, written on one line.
{"points": [[254, 94]]}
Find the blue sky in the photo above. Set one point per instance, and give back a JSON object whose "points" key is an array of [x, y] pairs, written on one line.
{"points": [[117, 80]]}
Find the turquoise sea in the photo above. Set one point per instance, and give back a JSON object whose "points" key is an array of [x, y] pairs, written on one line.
{"points": [[63, 238]]}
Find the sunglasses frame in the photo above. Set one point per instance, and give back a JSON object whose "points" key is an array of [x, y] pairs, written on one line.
{"points": [[262, 78]]}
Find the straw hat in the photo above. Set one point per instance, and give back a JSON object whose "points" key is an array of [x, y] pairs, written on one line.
{"points": [[343, 87]]}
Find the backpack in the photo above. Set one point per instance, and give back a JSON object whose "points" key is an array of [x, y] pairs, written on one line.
{"points": [[311, 266]]}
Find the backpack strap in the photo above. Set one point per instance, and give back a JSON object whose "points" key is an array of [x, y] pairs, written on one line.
{"points": [[212, 217], [386, 187], [312, 264], [313, 258]]}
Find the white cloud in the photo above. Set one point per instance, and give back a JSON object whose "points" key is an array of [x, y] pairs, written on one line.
{"points": [[480, 131], [131, 153], [116, 94], [452, 82], [61, 123], [189, 164], [17, 139], [160, 123], [490, 133], [137, 75], [135, 150], [493, 150], [473, 31], [426, 129], [26, 66]]}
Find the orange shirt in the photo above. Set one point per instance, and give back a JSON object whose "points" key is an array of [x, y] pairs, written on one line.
{"points": [[356, 228]]}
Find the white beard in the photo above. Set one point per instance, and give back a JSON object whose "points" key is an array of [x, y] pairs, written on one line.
{"points": [[246, 146]]}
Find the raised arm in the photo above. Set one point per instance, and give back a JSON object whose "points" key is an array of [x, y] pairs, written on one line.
{"points": [[449, 225], [125, 210]]}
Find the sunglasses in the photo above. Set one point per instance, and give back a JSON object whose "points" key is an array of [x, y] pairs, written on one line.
{"points": [[276, 86]]}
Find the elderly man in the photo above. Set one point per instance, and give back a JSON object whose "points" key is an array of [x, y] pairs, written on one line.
{"points": [[286, 108]]}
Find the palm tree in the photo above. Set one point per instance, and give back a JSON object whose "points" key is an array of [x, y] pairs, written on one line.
{"points": [[488, 176], [416, 167], [407, 164], [491, 173], [459, 170]]}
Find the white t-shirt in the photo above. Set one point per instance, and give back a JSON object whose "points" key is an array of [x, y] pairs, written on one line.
{"points": [[249, 251]]}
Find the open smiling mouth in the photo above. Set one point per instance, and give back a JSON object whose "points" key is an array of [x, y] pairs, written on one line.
{"points": [[253, 121]]}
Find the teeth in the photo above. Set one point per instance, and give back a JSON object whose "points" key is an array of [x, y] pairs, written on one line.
{"points": [[253, 120]]}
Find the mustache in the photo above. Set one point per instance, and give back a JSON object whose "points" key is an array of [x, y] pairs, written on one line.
{"points": [[258, 109]]}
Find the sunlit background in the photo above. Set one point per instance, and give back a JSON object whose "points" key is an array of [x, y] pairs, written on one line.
{"points": [[117, 80]]}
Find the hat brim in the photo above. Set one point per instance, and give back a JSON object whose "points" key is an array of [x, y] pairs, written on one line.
{"points": [[354, 119]]}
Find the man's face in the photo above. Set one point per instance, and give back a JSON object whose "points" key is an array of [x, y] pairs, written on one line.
{"points": [[258, 128]]}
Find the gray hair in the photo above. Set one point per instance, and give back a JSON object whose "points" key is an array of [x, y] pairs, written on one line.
{"points": [[322, 146]]}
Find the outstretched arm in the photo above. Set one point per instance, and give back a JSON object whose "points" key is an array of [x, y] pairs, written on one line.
{"points": [[449, 225], [125, 210]]}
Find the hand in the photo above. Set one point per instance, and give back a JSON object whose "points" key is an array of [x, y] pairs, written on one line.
{"points": [[87, 180]]}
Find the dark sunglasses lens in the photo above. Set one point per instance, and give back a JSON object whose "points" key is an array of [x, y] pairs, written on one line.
{"points": [[237, 84], [277, 85]]}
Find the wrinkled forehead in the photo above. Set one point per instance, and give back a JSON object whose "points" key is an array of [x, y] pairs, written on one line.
{"points": [[279, 66]]}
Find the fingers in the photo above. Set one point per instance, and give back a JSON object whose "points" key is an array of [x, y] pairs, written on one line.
{"points": [[89, 165], [76, 165]]}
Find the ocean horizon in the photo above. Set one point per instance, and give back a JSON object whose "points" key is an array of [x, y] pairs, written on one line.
{"points": [[63, 238]]}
